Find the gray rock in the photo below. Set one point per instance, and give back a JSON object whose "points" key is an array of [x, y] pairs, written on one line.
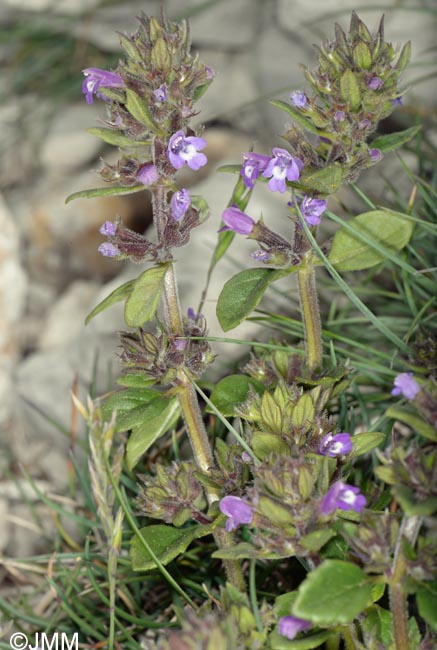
{"points": [[67, 145], [66, 318]]}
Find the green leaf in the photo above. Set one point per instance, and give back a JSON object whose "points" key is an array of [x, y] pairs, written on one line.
{"points": [[379, 621], [104, 191], [310, 641], [326, 180], [129, 418], [144, 298], [386, 228], [362, 443], [303, 411], [232, 391], [264, 444], [137, 107], [411, 504], [242, 293], [405, 415], [135, 380], [113, 137], [119, 294], [350, 90], [243, 551], [386, 143], [427, 603], [318, 538], [144, 436], [335, 592], [126, 400], [166, 542], [298, 117], [284, 603]]}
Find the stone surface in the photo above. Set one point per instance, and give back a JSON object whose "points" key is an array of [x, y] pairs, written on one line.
{"points": [[66, 318], [13, 286], [67, 145]]}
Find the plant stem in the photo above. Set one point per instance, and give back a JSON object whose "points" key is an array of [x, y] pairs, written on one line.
{"points": [[398, 598], [310, 313], [187, 395]]}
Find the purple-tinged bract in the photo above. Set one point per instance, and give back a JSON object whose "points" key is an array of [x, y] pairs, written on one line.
{"points": [[182, 149], [282, 166], [254, 164], [344, 497], [237, 221], [334, 446], [406, 385], [94, 78], [290, 626], [237, 511], [180, 202]]}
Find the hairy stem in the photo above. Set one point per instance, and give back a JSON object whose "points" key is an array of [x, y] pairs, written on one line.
{"points": [[187, 395], [310, 313], [398, 597]]}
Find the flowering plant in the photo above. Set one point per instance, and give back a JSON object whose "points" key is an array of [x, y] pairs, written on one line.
{"points": [[273, 478]]}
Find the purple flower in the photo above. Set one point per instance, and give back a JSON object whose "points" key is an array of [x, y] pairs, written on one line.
{"points": [[337, 445], [209, 72], [312, 210], [375, 155], [148, 174], [180, 344], [260, 255], [299, 99], [364, 124], [245, 457], [289, 626], [254, 163], [339, 116], [236, 511], [237, 221], [282, 166], [108, 250], [180, 202], [406, 385], [398, 101], [375, 83], [94, 78], [108, 229], [343, 496], [183, 150], [161, 93]]}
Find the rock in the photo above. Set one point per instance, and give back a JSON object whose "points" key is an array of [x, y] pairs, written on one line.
{"points": [[67, 146], [66, 319], [13, 287], [4, 527]]}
